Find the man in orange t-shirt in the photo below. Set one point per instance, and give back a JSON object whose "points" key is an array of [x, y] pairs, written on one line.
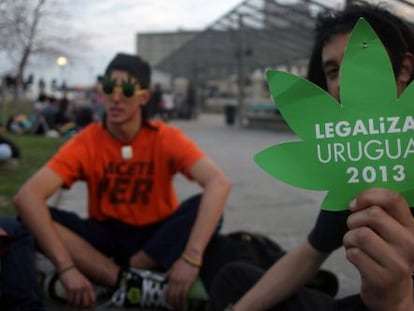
{"points": [[135, 219]]}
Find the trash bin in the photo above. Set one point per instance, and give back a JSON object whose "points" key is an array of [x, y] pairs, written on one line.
{"points": [[230, 113]]}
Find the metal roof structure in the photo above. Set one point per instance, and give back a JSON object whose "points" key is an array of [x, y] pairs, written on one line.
{"points": [[255, 34]]}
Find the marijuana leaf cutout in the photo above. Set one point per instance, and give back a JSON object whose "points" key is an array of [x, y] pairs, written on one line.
{"points": [[366, 141]]}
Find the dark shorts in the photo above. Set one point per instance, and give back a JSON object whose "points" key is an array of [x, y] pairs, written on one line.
{"points": [[164, 241]]}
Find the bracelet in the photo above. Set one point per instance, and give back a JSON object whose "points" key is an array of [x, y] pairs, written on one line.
{"points": [[66, 269], [191, 261]]}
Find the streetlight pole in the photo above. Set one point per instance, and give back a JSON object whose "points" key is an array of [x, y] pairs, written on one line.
{"points": [[240, 71], [62, 61]]}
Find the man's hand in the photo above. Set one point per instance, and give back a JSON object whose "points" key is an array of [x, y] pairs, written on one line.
{"points": [[180, 279], [80, 291], [380, 243]]}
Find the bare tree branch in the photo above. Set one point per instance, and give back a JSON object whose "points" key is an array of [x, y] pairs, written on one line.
{"points": [[35, 28]]}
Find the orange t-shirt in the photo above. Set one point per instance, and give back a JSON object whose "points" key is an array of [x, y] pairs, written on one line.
{"points": [[137, 191]]}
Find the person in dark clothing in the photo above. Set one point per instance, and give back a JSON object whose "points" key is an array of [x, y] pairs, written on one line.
{"points": [[9, 152], [378, 229], [190, 102], [156, 104], [19, 287], [61, 117]]}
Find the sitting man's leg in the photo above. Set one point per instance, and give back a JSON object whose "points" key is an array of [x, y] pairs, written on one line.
{"points": [[154, 247], [94, 244], [18, 278], [168, 241], [90, 245]]}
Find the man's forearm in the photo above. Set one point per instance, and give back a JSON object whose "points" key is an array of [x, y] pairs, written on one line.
{"points": [[285, 277], [400, 300], [210, 211], [36, 217]]}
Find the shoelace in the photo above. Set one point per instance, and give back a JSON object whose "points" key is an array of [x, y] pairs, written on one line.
{"points": [[117, 299], [153, 293]]}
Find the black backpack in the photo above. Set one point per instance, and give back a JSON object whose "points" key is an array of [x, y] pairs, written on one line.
{"points": [[256, 249]]}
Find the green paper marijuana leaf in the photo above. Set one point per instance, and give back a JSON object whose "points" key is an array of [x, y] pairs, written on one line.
{"points": [[366, 141]]}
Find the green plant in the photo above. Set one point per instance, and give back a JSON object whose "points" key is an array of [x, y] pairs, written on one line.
{"points": [[35, 151]]}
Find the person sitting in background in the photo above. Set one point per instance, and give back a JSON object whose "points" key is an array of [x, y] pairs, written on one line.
{"points": [[39, 123], [9, 152], [19, 124]]}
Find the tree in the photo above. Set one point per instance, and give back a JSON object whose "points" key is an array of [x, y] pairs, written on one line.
{"points": [[34, 28]]}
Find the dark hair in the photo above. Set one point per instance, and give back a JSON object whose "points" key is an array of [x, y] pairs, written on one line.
{"points": [[137, 68], [393, 32]]}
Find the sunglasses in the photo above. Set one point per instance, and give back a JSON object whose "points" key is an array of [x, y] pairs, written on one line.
{"points": [[128, 88]]}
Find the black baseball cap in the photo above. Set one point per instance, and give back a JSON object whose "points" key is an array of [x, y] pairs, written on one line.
{"points": [[132, 64]]}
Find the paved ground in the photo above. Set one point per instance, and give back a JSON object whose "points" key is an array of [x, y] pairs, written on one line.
{"points": [[258, 202]]}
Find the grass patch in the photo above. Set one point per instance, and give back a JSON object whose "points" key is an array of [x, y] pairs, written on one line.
{"points": [[35, 151]]}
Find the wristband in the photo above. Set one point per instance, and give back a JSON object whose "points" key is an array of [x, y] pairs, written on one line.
{"points": [[191, 261], [66, 269]]}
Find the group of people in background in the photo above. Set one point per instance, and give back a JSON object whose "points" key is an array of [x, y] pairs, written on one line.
{"points": [[49, 113], [51, 116], [168, 105]]}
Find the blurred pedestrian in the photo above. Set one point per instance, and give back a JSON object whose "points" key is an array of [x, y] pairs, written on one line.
{"points": [[9, 152], [156, 104]]}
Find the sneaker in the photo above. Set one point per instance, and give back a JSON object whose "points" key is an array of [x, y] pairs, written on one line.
{"points": [[147, 289], [48, 279], [140, 288], [52, 286]]}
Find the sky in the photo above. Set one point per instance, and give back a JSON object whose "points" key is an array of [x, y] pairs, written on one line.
{"points": [[111, 27]]}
